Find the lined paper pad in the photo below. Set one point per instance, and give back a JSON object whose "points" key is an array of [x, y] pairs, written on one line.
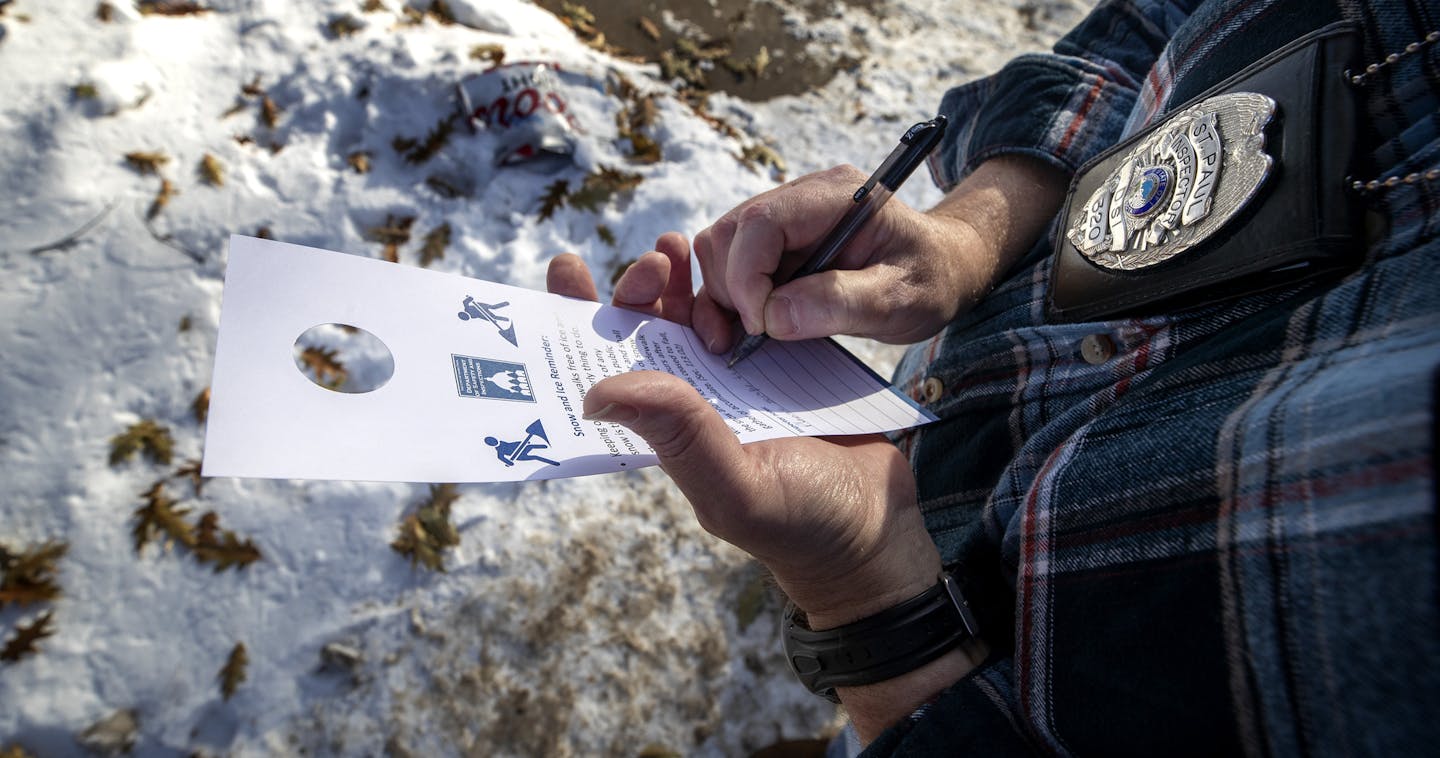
{"points": [[488, 379]]}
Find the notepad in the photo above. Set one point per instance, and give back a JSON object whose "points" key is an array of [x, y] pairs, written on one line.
{"points": [[484, 381]]}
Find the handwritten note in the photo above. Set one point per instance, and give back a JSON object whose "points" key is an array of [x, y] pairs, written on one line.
{"points": [[488, 380]]}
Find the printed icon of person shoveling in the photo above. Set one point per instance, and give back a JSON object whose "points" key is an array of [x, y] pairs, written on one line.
{"points": [[474, 309], [510, 453]]}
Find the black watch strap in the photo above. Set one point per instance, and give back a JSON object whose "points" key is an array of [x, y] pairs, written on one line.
{"points": [[892, 642]]}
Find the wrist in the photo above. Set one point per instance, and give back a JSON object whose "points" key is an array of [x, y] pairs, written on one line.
{"points": [[901, 567], [887, 664]]}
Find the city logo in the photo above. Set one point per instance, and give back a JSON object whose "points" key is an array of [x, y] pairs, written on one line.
{"points": [[473, 310], [535, 440], [492, 379]]}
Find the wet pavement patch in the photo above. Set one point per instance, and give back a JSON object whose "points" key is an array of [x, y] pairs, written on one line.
{"points": [[736, 39]]}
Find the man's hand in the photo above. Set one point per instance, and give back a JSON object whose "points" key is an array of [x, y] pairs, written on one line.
{"points": [[834, 519], [903, 277]]}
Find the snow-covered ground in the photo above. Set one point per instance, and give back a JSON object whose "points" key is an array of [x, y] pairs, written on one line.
{"points": [[575, 617]]}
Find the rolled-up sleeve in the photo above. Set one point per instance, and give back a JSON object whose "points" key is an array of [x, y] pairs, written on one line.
{"points": [[1064, 107]]}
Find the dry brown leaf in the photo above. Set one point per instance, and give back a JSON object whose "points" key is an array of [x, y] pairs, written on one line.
{"points": [[26, 635], [329, 371], [160, 518], [651, 30], [489, 52], [146, 163], [435, 243], [29, 576], [212, 172], [392, 235], [269, 112], [360, 161], [554, 198], [344, 26], [162, 198], [200, 407], [423, 150], [170, 8], [191, 470], [105, 12], [233, 672], [222, 547], [425, 534], [440, 11], [147, 437]]}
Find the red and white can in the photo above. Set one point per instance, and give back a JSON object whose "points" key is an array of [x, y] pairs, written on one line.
{"points": [[524, 105]]}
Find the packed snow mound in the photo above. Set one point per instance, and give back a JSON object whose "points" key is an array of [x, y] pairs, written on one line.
{"points": [[579, 617]]}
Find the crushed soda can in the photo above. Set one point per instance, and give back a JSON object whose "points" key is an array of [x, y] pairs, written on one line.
{"points": [[524, 105]]}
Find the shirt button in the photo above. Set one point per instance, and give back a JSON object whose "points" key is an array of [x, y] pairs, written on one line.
{"points": [[932, 390], [1097, 348]]}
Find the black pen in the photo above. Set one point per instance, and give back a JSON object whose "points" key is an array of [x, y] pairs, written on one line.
{"points": [[867, 201]]}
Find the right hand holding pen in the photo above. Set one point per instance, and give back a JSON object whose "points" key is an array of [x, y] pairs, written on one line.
{"points": [[903, 277]]}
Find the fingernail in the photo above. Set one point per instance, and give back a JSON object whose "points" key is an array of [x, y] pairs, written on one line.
{"points": [[617, 413], [780, 317]]}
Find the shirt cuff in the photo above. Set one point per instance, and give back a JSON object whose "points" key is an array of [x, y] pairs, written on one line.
{"points": [[974, 716], [1063, 110]]}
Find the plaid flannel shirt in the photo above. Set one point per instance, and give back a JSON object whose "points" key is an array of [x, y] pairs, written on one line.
{"points": [[1217, 536]]}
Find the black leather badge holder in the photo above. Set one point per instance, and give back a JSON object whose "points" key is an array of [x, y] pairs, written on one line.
{"points": [[1242, 189]]}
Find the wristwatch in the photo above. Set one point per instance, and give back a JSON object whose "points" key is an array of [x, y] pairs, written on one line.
{"points": [[892, 642]]}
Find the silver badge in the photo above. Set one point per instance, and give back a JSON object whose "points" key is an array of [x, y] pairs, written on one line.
{"points": [[1178, 186]]}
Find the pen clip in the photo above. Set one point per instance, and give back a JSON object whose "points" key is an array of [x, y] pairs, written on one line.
{"points": [[917, 143]]}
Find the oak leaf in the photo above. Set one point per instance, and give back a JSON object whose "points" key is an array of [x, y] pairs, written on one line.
{"points": [[212, 171], [29, 576], [233, 672], [26, 635], [162, 198], [435, 243], [171, 8], [160, 518], [360, 161], [394, 233], [200, 407], [329, 370], [269, 112], [554, 198], [222, 547], [191, 470], [147, 163], [490, 52], [344, 26], [425, 534], [146, 437], [419, 151], [599, 186]]}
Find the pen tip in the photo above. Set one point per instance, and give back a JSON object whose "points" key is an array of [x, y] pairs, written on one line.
{"points": [[734, 359]]}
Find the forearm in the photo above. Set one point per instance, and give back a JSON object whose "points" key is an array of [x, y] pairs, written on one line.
{"points": [[999, 210]]}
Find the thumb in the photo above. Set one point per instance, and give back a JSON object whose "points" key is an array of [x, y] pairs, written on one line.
{"points": [[860, 302], [695, 446]]}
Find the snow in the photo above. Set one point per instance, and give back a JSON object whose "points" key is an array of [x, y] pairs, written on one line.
{"points": [[576, 617]]}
